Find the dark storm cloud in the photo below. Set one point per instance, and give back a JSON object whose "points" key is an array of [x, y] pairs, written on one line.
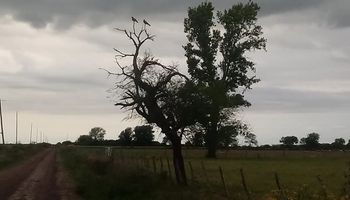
{"points": [[65, 13]]}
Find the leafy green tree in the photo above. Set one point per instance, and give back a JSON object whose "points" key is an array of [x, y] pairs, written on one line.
{"points": [[143, 135], [339, 142], [250, 139], [228, 136], [289, 140], [85, 140], [125, 137], [194, 135], [217, 60], [311, 141], [97, 133]]}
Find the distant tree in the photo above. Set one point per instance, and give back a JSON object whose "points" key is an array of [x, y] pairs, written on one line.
{"points": [[97, 133], [311, 141], [339, 142], [85, 140], [67, 142], [228, 136], [125, 137], [348, 143], [250, 139], [217, 60], [289, 140], [198, 139], [143, 135], [165, 141], [195, 135]]}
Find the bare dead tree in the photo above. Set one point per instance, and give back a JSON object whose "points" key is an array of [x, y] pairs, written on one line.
{"points": [[154, 91]]}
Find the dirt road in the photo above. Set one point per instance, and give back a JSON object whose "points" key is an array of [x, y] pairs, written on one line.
{"points": [[34, 179]]}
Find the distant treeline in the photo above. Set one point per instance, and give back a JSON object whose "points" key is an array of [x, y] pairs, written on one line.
{"points": [[143, 136]]}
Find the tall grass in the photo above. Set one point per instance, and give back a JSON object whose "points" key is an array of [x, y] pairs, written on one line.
{"points": [[98, 177], [12, 154]]}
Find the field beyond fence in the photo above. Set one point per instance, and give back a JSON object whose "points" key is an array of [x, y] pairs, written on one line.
{"points": [[234, 175]]}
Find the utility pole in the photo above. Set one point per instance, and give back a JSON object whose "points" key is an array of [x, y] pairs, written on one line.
{"points": [[16, 127], [36, 138], [2, 125], [31, 133]]}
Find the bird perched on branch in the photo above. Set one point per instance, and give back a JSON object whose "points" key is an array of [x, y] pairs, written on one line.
{"points": [[146, 23], [134, 20]]}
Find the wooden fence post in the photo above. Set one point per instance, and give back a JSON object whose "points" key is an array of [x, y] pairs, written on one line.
{"points": [[244, 183], [169, 168], [205, 173], [191, 169], [280, 189], [223, 182], [154, 165]]}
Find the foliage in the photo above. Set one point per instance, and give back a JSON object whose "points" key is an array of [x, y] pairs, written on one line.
{"points": [[125, 137], [339, 142], [85, 140], [97, 133], [217, 60], [143, 135], [289, 140], [250, 139], [311, 141], [228, 136]]}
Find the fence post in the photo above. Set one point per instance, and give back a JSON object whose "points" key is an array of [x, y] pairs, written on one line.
{"points": [[244, 183], [169, 168], [280, 189], [161, 165], [205, 173], [223, 182], [154, 165], [191, 169]]}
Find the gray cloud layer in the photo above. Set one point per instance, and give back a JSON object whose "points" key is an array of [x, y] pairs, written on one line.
{"points": [[304, 72], [65, 13]]}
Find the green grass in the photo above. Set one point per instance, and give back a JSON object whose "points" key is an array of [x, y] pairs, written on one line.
{"points": [[296, 170], [98, 178], [12, 154]]}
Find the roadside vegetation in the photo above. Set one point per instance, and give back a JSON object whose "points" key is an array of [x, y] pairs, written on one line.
{"points": [[12, 154]]}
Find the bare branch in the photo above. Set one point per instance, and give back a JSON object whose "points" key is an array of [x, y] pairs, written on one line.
{"points": [[122, 54]]}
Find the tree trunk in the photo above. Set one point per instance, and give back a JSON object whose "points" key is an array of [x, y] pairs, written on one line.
{"points": [[212, 144], [178, 161], [212, 139]]}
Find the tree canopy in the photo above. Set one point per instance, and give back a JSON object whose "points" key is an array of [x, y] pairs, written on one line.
{"points": [[217, 60], [125, 137], [311, 141], [97, 133], [289, 140], [143, 135]]}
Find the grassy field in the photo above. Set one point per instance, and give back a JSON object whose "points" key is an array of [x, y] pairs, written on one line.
{"points": [[11, 154], [299, 172]]}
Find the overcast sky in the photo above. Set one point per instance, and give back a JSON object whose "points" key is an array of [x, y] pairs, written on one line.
{"points": [[51, 50]]}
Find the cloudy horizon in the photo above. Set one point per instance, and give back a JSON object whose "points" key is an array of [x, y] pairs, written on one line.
{"points": [[51, 52]]}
